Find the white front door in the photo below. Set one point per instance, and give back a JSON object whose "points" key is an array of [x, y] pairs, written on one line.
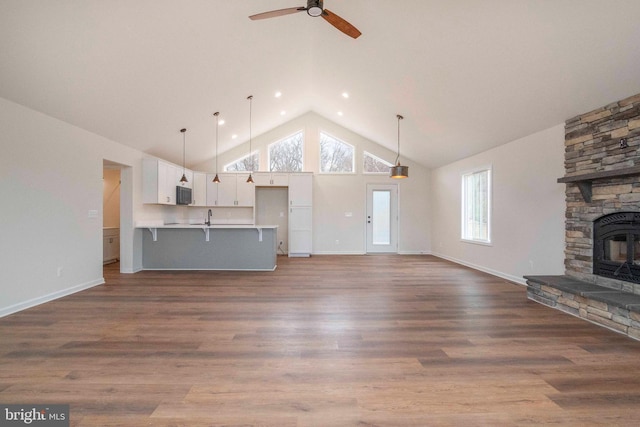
{"points": [[382, 218]]}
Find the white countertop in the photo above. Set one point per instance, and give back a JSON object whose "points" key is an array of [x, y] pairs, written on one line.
{"points": [[153, 224]]}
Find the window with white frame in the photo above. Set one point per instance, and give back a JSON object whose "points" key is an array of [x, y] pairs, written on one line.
{"points": [[286, 154], [335, 156], [476, 206], [374, 164], [246, 163]]}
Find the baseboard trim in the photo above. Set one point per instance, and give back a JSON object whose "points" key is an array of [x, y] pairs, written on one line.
{"points": [[500, 274], [338, 253], [49, 297]]}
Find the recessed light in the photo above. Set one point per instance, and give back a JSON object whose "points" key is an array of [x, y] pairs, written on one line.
{"points": [[278, 94], [221, 122], [282, 113], [234, 136], [345, 95], [340, 113]]}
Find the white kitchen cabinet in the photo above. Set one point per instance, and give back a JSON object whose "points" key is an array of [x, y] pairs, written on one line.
{"points": [[159, 182], [300, 231], [232, 190], [300, 189], [110, 245], [199, 193], [271, 179], [212, 190], [227, 189], [245, 191], [300, 214]]}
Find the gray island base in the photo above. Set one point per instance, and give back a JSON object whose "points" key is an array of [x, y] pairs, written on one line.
{"points": [[209, 248]]}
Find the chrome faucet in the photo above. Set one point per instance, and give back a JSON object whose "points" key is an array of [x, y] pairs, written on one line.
{"points": [[209, 217]]}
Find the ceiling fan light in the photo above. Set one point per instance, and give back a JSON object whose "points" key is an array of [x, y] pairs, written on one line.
{"points": [[314, 8]]}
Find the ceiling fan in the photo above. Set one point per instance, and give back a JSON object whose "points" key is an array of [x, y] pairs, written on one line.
{"points": [[314, 8]]}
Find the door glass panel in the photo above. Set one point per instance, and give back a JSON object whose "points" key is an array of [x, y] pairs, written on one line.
{"points": [[381, 218]]}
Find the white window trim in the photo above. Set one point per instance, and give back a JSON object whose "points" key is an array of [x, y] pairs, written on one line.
{"points": [[489, 241], [353, 158]]}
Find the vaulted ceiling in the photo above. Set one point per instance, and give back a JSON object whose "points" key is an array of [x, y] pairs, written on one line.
{"points": [[467, 75]]}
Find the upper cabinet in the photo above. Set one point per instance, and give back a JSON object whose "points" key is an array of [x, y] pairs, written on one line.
{"points": [[232, 190], [271, 179], [159, 181], [300, 189], [199, 189]]}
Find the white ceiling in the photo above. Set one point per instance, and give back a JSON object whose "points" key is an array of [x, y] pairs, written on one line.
{"points": [[467, 75]]}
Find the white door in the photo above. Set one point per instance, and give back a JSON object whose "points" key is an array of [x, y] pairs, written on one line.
{"points": [[382, 218]]}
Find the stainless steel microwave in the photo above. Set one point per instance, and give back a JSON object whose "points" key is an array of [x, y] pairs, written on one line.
{"points": [[183, 196]]}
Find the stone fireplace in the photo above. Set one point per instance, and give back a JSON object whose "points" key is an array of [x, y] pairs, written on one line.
{"points": [[601, 283], [602, 173]]}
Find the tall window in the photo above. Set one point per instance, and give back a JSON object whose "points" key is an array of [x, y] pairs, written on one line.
{"points": [[286, 155], [335, 156], [374, 164], [246, 163], [476, 206]]}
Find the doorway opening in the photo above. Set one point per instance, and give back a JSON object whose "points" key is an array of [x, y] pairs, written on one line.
{"points": [[110, 214], [117, 217], [272, 208]]}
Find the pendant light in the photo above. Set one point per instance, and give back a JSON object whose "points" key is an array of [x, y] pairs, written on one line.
{"points": [[216, 179], [399, 171], [250, 179], [184, 179]]}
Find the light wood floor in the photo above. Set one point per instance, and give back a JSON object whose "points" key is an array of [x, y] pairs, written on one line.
{"points": [[325, 341]]}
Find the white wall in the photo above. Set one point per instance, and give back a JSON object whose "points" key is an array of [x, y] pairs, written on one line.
{"points": [[527, 210], [50, 184], [335, 195]]}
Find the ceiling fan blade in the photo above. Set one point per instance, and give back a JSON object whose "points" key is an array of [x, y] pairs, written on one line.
{"points": [[340, 24], [279, 12]]}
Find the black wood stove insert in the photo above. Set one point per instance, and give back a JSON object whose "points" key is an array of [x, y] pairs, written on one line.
{"points": [[616, 246]]}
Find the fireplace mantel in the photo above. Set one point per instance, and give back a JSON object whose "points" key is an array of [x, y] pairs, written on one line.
{"points": [[584, 181]]}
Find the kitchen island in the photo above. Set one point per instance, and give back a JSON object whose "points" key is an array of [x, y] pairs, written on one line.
{"points": [[209, 247]]}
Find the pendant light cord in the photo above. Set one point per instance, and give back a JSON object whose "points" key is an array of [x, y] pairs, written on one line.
{"points": [[399, 118], [216, 114], [250, 98]]}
